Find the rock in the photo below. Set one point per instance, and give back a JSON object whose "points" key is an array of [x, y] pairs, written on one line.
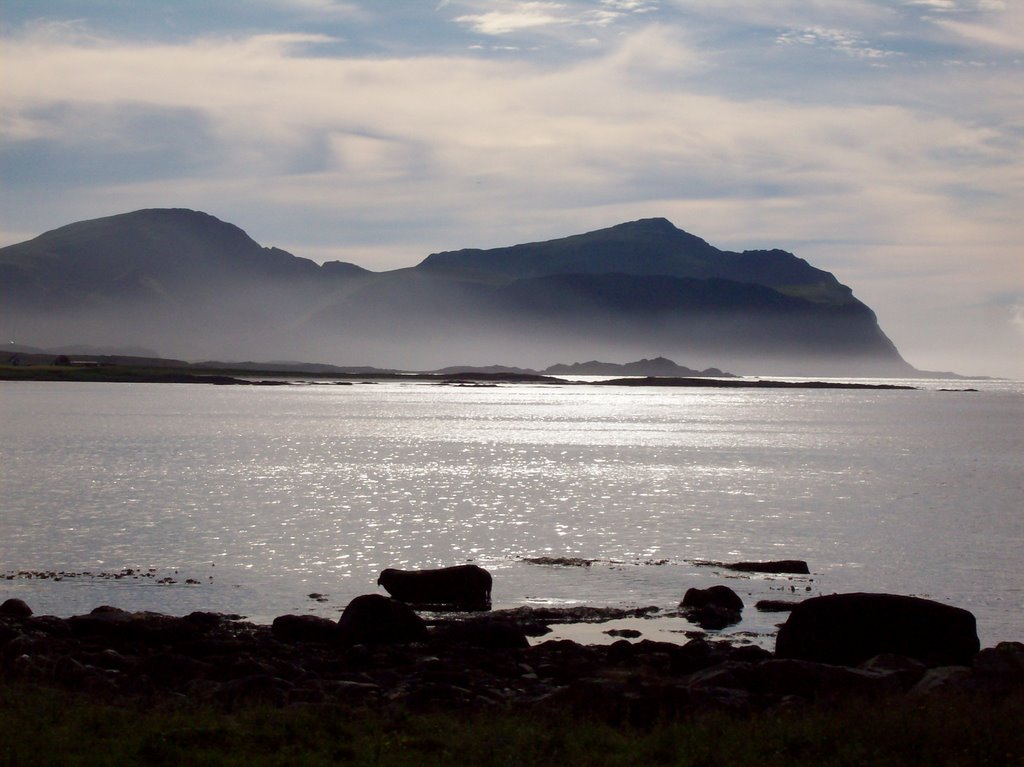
{"points": [[464, 586], [712, 608], [496, 634], [793, 566], [626, 633], [376, 619], [1005, 660], [172, 669], [774, 606], [848, 629], [699, 654], [49, 624], [1000, 669], [905, 670], [304, 628], [720, 596], [780, 678], [15, 608], [944, 679]]}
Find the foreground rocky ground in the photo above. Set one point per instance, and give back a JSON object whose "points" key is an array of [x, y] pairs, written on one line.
{"points": [[472, 663]]}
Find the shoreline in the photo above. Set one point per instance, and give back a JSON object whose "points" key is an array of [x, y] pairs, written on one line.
{"points": [[466, 660], [256, 377]]}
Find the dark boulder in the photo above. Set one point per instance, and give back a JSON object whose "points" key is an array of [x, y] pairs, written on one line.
{"points": [[304, 628], [720, 596], [144, 626], [375, 619], [848, 629], [780, 566], [712, 608], [775, 606], [493, 634], [15, 608], [463, 586]]}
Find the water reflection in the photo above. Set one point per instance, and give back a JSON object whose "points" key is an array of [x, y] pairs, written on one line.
{"points": [[285, 487]]}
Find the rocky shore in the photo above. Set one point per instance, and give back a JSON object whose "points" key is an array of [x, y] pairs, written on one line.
{"points": [[466, 661]]}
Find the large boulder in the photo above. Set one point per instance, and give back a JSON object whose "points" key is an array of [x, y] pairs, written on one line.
{"points": [[376, 619], [712, 608], [848, 629], [304, 628], [15, 608], [462, 586]]}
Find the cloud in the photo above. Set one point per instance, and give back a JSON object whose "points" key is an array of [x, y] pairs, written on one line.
{"points": [[518, 16], [1017, 317], [327, 9], [836, 39], [903, 184], [1003, 34]]}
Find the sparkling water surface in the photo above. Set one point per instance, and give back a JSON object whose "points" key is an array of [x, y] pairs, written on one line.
{"points": [[262, 496]]}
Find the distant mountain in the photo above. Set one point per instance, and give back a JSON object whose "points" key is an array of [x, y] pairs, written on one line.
{"points": [[651, 247], [659, 366], [195, 287]]}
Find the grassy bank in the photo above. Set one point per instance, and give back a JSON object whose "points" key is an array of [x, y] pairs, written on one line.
{"points": [[40, 726]]}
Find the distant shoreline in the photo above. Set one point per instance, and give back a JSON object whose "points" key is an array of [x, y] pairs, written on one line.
{"points": [[255, 377]]}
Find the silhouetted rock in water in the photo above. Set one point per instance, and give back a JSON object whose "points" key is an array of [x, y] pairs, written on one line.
{"points": [[376, 619], [560, 561], [463, 586], [625, 633], [720, 596], [15, 608], [712, 608], [304, 628], [775, 606], [793, 566], [848, 629]]}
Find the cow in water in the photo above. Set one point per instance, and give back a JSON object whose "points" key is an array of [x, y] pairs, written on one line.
{"points": [[463, 586]]}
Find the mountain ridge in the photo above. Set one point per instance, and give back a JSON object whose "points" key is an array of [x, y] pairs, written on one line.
{"points": [[196, 287]]}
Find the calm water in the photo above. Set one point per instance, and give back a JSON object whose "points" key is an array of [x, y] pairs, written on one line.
{"points": [[263, 496]]}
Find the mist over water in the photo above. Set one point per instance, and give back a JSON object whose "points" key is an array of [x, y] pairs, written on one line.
{"points": [[265, 495]]}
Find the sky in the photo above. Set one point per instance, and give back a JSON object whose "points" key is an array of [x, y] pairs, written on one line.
{"points": [[880, 141]]}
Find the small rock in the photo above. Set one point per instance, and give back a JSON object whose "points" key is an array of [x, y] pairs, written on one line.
{"points": [[626, 633]]}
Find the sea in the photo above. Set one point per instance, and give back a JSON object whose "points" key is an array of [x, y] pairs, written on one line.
{"points": [[261, 501]]}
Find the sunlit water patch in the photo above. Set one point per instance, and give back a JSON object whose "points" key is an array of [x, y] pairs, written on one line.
{"points": [[262, 496]]}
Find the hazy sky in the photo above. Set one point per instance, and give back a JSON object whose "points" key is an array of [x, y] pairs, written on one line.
{"points": [[882, 141]]}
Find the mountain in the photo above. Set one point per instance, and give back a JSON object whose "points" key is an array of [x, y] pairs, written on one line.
{"points": [[658, 367], [651, 247], [196, 287]]}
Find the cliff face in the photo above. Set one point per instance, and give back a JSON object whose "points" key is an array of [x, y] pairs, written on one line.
{"points": [[192, 286]]}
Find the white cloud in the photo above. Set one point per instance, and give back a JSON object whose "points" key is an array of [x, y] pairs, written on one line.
{"points": [[517, 17], [836, 39], [1005, 33], [906, 186], [321, 8], [1017, 317]]}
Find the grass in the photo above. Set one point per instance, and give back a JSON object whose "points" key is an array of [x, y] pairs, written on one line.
{"points": [[47, 727]]}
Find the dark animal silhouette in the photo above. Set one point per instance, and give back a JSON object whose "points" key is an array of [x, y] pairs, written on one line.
{"points": [[463, 586]]}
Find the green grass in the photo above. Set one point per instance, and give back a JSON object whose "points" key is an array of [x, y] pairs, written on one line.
{"points": [[47, 727]]}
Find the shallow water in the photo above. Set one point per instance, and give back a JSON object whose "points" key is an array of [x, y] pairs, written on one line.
{"points": [[266, 495]]}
